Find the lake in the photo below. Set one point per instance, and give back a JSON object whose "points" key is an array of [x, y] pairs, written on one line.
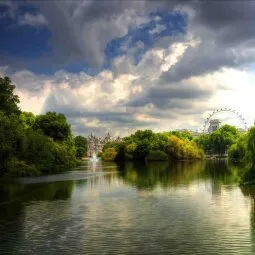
{"points": [[104, 208]]}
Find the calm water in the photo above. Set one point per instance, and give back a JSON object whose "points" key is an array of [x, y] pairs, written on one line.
{"points": [[188, 208]]}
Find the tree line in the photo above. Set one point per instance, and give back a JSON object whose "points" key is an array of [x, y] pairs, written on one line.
{"points": [[240, 147], [146, 145], [33, 145], [42, 144]]}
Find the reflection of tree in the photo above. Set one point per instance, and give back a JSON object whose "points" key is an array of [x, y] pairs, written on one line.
{"points": [[13, 199], [164, 174], [14, 196], [220, 172], [249, 190]]}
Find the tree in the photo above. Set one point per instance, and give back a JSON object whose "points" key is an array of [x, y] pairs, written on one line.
{"points": [[81, 145], [183, 149], [11, 132], [53, 125], [157, 156], [251, 147], [8, 100], [184, 135], [144, 141], [237, 151], [203, 141], [28, 119], [109, 154], [223, 138]]}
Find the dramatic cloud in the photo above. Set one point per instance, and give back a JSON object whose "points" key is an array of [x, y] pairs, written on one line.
{"points": [[226, 39], [160, 65], [89, 26]]}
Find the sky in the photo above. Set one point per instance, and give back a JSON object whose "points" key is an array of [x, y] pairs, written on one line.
{"points": [[119, 66]]}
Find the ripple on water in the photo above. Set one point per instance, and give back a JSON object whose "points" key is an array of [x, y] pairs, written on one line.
{"points": [[105, 214]]}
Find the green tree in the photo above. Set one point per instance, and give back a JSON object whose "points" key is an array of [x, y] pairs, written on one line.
{"points": [[144, 140], [223, 138], [238, 150], [251, 147], [81, 145], [203, 141], [8, 100], [184, 135], [109, 154], [157, 156], [11, 132], [28, 119], [53, 125]]}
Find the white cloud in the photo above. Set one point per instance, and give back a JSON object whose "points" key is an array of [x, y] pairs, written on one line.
{"points": [[33, 20], [100, 103], [200, 71], [157, 29]]}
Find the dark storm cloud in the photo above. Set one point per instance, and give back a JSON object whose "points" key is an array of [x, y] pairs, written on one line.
{"points": [[227, 37], [81, 30], [232, 20], [205, 58], [181, 96]]}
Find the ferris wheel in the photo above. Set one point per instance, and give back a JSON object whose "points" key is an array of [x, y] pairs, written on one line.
{"points": [[217, 111]]}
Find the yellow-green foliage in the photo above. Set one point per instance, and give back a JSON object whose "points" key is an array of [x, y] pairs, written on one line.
{"points": [[180, 149], [146, 145], [109, 154]]}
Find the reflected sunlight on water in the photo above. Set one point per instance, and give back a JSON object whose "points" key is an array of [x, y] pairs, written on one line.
{"points": [[187, 208]]}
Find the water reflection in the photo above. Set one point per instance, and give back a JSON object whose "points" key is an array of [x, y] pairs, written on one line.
{"points": [[154, 174], [181, 208], [14, 196], [249, 191]]}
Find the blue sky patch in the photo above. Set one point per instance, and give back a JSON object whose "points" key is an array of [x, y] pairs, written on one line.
{"points": [[166, 23], [30, 46]]}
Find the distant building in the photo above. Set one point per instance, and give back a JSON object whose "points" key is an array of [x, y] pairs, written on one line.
{"points": [[214, 125], [96, 144]]}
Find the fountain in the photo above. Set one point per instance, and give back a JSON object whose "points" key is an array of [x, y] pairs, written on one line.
{"points": [[94, 157]]}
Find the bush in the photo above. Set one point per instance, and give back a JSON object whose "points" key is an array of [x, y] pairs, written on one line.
{"points": [[19, 168], [63, 157], [180, 149], [109, 154], [157, 156]]}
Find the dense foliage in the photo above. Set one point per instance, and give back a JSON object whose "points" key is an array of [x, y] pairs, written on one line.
{"points": [[8, 100], [146, 145], [29, 144], [81, 145], [157, 156], [219, 141], [239, 146], [109, 154]]}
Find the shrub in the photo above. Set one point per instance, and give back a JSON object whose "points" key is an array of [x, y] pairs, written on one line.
{"points": [[180, 149], [109, 154], [19, 168]]}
